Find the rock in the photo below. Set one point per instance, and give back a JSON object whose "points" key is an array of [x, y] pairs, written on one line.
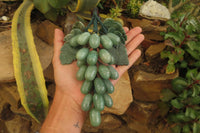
{"points": [[108, 121], [147, 43], [149, 29], [18, 125], [141, 111], [71, 18], [3, 128], [122, 96], [140, 128], [45, 31], [135, 125], [3, 8], [49, 73], [122, 129], [154, 51], [51, 90], [154, 10], [147, 86], [9, 95], [45, 53]]}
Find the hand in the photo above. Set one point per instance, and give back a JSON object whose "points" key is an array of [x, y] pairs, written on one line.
{"points": [[65, 75], [65, 114]]}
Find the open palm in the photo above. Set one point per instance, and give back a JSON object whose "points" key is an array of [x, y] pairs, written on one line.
{"points": [[65, 75]]}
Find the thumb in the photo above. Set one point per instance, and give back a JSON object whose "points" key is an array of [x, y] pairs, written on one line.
{"points": [[58, 43]]}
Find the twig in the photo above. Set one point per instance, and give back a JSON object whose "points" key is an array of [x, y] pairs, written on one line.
{"points": [[172, 9]]}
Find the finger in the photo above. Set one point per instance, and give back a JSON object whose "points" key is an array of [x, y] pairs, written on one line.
{"points": [[126, 29], [58, 42], [133, 44], [132, 59], [132, 33]]}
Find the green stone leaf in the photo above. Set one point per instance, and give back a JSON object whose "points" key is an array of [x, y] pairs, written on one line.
{"points": [[68, 54], [79, 25], [167, 94], [120, 55], [114, 27]]}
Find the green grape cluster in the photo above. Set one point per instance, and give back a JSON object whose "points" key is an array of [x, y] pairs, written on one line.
{"points": [[94, 62]]}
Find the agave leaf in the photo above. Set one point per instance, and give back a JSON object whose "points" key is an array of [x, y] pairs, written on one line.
{"points": [[82, 5], [58, 3], [27, 67]]}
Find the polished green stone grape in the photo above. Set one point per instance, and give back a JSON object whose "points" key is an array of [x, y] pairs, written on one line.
{"points": [[90, 73], [105, 56], [108, 100], [106, 42], [87, 102], [99, 86], [94, 41], [95, 117], [82, 54], [104, 71], [92, 57], [80, 75], [86, 87], [98, 101]]}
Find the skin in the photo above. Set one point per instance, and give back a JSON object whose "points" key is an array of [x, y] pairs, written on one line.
{"points": [[65, 114]]}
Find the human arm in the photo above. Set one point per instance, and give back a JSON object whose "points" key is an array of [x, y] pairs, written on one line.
{"points": [[65, 114]]}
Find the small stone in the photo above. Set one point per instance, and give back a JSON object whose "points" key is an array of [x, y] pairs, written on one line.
{"points": [[122, 96], [154, 10], [4, 18], [108, 121], [121, 129], [18, 125], [49, 73], [45, 31], [154, 51], [141, 111], [147, 86], [135, 125], [149, 29]]}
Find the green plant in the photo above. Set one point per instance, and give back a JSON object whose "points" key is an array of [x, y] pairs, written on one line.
{"points": [[95, 51], [181, 104], [115, 12], [133, 7], [183, 40]]}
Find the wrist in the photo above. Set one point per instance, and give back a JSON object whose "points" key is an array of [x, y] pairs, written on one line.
{"points": [[65, 115]]}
